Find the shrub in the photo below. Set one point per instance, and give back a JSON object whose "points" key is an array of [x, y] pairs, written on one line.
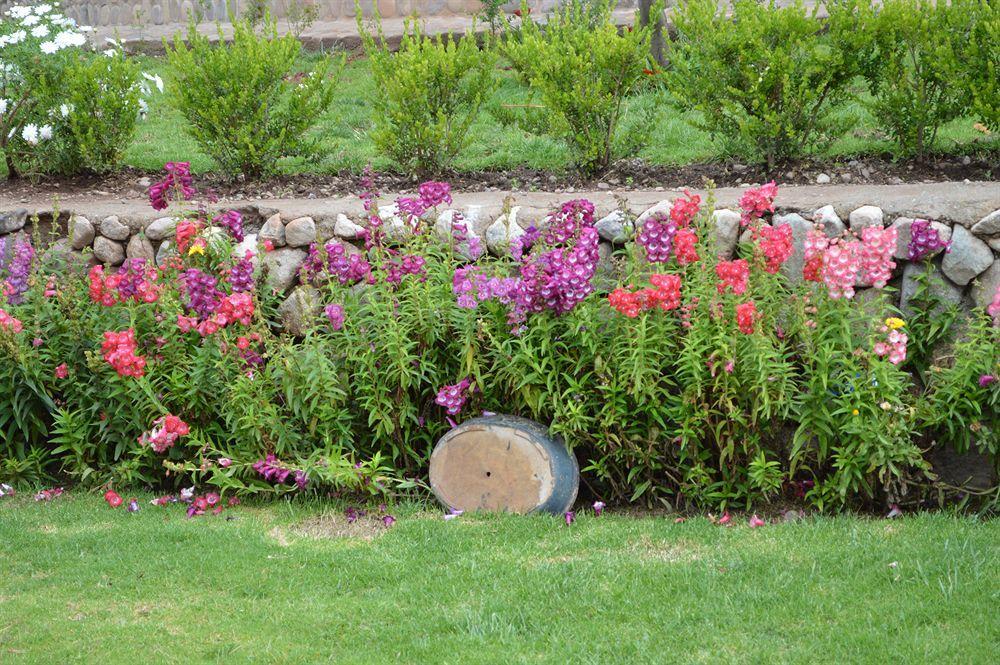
{"points": [[982, 63], [913, 56], [765, 82], [62, 108], [244, 104], [584, 71], [427, 94]]}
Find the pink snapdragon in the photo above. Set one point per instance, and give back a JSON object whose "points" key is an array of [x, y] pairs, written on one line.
{"points": [[9, 323], [453, 397], [776, 245], [165, 433], [840, 269], [757, 201], [733, 276], [875, 254]]}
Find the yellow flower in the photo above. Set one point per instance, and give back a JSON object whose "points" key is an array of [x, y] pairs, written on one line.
{"points": [[855, 412], [196, 249], [894, 324]]}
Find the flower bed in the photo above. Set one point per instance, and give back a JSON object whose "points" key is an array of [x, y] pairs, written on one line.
{"points": [[720, 358]]}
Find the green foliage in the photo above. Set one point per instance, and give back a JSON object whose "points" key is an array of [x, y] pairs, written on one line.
{"points": [[766, 81], [243, 101], [914, 55], [427, 94], [584, 72], [104, 96], [982, 62]]}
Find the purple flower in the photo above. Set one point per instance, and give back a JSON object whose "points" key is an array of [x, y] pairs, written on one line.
{"points": [[332, 259], [132, 279], [410, 206], [133, 506], [657, 238], [335, 313], [272, 471], [178, 180], [433, 194], [453, 397], [453, 513], [388, 520], [241, 274], [986, 379], [301, 479], [351, 513], [19, 271], [233, 222], [570, 516], [924, 240], [203, 293], [598, 508]]}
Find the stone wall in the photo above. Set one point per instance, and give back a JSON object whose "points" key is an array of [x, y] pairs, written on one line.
{"points": [[137, 13], [968, 273]]}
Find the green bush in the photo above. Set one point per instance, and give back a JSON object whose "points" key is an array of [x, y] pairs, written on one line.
{"points": [[914, 55], [244, 103], [765, 82], [982, 61], [426, 95], [104, 96], [584, 70]]}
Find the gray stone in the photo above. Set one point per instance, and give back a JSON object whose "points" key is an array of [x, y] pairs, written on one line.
{"points": [[165, 252], [81, 232], [727, 231], [792, 268], [986, 286], [994, 244], [281, 268], [13, 221], [114, 229], [967, 257], [443, 231], [903, 235], [301, 310], [988, 225], [502, 232], [346, 229], [139, 247], [865, 216], [615, 227], [605, 273], [273, 230], [396, 228], [300, 232], [162, 228], [822, 179], [827, 217], [972, 469], [249, 244], [946, 290], [108, 251], [661, 208]]}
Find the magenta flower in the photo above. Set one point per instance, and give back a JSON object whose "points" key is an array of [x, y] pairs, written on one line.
{"points": [[453, 397], [177, 181], [756, 522], [433, 194], [570, 516], [232, 220], [225, 462], [388, 520], [335, 313], [986, 379], [598, 508]]}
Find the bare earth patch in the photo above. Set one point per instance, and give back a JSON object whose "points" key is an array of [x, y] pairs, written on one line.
{"points": [[367, 527]]}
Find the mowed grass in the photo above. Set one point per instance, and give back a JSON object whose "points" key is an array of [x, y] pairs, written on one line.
{"points": [[80, 582], [345, 143]]}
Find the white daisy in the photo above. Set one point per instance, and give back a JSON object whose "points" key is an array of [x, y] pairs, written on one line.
{"points": [[45, 132], [69, 38], [30, 134], [49, 47], [39, 31], [30, 20]]}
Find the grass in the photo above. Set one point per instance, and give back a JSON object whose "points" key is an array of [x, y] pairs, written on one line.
{"points": [[82, 583], [345, 144]]}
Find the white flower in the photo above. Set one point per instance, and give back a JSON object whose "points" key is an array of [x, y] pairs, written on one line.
{"points": [[30, 134], [65, 109], [110, 52], [3, 105], [155, 79], [19, 11], [43, 9], [69, 38], [49, 47], [143, 108], [45, 132], [30, 20], [39, 31], [13, 38]]}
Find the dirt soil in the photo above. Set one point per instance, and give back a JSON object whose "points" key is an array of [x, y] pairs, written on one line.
{"points": [[631, 174]]}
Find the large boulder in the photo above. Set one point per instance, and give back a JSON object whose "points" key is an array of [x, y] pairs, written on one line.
{"points": [[865, 216], [443, 231], [792, 268], [903, 226], [162, 228], [988, 225], [112, 228], [967, 257], [829, 220], [947, 291], [300, 232], [986, 286], [281, 268], [165, 252], [108, 251], [503, 232], [727, 231], [615, 227], [13, 221], [139, 247], [300, 311], [273, 230], [81, 232], [346, 229], [661, 208]]}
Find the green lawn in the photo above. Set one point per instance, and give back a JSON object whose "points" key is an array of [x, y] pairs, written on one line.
{"points": [[81, 582], [345, 143]]}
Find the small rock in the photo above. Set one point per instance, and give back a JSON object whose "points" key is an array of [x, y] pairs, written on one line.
{"points": [[966, 160], [661, 208], [988, 225], [986, 285], [603, 186], [346, 229], [827, 217], [792, 515], [114, 229], [81, 232], [300, 232], [614, 228], [301, 310], [967, 257], [939, 285], [249, 244], [108, 251], [139, 247], [273, 230], [792, 268], [727, 231], [13, 221], [281, 268], [144, 182], [822, 179], [165, 252], [162, 228], [846, 177], [864, 217]]}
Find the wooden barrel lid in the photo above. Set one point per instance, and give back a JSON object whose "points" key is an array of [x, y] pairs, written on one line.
{"points": [[504, 463]]}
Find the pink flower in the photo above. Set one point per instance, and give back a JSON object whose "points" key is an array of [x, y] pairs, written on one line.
{"points": [[746, 317], [986, 379], [734, 276], [388, 520], [570, 516], [598, 508], [776, 245], [225, 462], [725, 519], [756, 201], [61, 371], [756, 522]]}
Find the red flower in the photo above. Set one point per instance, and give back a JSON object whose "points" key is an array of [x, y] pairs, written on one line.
{"points": [[734, 276], [113, 498], [684, 246], [746, 317], [62, 371]]}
